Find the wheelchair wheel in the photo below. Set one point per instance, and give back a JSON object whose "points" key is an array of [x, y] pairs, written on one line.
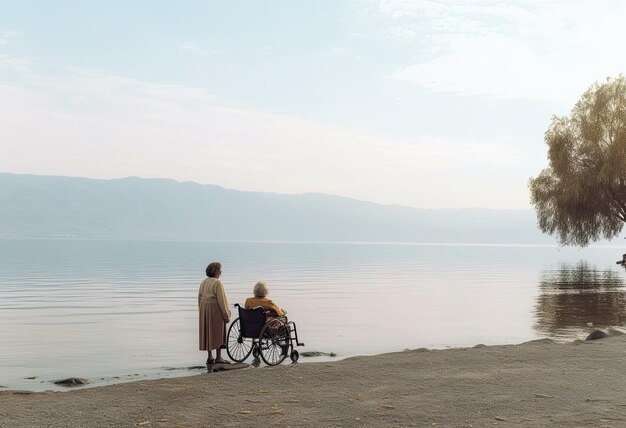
{"points": [[274, 342], [238, 347]]}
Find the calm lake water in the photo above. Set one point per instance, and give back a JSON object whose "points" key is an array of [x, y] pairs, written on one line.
{"points": [[112, 311]]}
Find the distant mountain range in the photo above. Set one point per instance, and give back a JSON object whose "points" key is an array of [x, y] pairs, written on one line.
{"points": [[134, 208]]}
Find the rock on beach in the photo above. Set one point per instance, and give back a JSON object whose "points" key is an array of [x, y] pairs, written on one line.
{"points": [[597, 334], [317, 354], [71, 381]]}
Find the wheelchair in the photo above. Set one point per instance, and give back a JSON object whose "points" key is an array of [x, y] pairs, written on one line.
{"points": [[269, 338]]}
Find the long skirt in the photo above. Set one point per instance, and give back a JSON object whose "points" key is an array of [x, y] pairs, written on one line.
{"points": [[212, 325]]}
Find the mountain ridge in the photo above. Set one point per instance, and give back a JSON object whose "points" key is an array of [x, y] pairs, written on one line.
{"points": [[163, 208]]}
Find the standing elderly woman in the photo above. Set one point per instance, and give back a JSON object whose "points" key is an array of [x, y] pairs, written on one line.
{"points": [[214, 313]]}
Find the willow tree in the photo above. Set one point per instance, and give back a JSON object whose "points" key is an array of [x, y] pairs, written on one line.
{"points": [[581, 196]]}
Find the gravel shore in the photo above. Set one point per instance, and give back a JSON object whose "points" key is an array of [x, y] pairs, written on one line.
{"points": [[533, 384]]}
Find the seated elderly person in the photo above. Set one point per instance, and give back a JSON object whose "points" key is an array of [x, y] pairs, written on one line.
{"points": [[260, 292]]}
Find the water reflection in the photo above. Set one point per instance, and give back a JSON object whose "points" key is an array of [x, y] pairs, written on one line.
{"points": [[575, 299]]}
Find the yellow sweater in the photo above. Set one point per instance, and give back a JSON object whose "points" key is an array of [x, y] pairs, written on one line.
{"points": [[267, 304]]}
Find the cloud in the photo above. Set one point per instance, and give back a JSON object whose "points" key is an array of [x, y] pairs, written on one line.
{"points": [[85, 122], [548, 51], [193, 47], [15, 65], [7, 35]]}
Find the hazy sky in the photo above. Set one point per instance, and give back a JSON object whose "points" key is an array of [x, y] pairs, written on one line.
{"points": [[421, 103]]}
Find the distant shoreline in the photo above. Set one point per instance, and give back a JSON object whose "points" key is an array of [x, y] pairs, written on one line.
{"points": [[253, 241], [49, 206], [537, 383], [257, 241]]}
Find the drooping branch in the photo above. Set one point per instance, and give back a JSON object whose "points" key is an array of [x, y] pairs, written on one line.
{"points": [[618, 203], [581, 196]]}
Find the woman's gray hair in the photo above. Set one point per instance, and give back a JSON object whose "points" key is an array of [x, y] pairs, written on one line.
{"points": [[260, 289]]}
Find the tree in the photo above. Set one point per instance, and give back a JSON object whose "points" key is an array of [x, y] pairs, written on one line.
{"points": [[581, 196]]}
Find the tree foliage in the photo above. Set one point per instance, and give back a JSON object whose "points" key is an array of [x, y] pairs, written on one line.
{"points": [[581, 196]]}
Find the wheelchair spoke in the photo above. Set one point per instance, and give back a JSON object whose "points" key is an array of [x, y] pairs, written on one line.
{"points": [[274, 339], [239, 347]]}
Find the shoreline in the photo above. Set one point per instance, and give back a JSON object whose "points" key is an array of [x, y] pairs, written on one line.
{"points": [[45, 384], [536, 383], [42, 384]]}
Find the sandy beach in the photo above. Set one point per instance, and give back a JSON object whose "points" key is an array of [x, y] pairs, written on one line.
{"points": [[533, 384]]}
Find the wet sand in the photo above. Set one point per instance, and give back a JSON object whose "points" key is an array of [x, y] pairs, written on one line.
{"points": [[533, 384]]}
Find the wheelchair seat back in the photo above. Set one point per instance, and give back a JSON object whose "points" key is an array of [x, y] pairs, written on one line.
{"points": [[252, 321]]}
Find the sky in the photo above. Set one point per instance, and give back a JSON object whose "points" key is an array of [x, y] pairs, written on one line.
{"points": [[423, 103]]}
